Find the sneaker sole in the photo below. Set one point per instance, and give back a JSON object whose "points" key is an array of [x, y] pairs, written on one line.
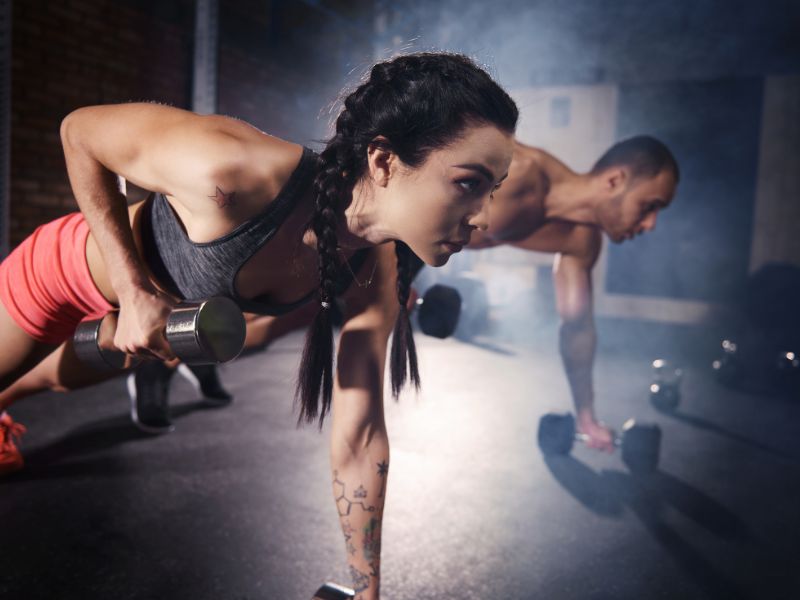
{"points": [[187, 374], [131, 383]]}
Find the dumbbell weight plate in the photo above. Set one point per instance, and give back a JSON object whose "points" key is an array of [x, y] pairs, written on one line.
{"points": [[439, 310], [664, 397], [641, 446], [333, 591], [556, 433], [211, 332]]}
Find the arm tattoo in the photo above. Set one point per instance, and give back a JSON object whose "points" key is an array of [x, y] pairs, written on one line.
{"points": [[372, 546], [222, 199], [347, 529], [345, 504], [360, 580], [383, 469]]}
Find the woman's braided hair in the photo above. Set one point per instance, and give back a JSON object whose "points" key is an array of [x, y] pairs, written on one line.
{"points": [[417, 103]]}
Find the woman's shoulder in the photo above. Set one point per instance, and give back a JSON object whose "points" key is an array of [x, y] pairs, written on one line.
{"points": [[261, 164]]}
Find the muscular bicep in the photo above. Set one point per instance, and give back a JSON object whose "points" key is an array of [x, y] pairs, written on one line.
{"points": [[573, 286], [160, 148], [572, 275]]}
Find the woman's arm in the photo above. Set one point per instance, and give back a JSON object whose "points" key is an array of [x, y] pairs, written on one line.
{"points": [[186, 156], [359, 442]]}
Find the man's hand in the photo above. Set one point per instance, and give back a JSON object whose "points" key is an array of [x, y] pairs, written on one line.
{"points": [[600, 437]]}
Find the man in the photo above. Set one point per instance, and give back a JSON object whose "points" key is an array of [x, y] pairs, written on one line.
{"points": [[546, 207]]}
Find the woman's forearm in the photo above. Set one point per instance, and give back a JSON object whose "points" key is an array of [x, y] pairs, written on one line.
{"points": [[359, 475]]}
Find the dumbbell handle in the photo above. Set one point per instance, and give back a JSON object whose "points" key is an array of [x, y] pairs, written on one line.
{"points": [[585, 437]]}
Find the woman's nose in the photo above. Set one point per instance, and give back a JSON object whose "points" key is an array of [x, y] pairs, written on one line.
{"points": [[480, 220]]}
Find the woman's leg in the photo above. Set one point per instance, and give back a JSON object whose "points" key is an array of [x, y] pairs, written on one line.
{"points": [[61, 371], [19, 353]]}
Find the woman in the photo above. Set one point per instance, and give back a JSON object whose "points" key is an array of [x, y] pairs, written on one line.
{"points": [[418, 149]]}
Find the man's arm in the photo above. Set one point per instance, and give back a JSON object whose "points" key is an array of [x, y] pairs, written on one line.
{"points": [[572, 274], [359, 442]]}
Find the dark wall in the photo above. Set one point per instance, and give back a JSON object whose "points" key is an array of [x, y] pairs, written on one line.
{"points": [[281, 64], [700, 249], [67, 55]]}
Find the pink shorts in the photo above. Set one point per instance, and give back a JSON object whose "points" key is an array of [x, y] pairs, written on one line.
{"points": [[45, 282]]}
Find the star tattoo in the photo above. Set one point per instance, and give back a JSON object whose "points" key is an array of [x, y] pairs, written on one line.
{"points": [[222, 199]]}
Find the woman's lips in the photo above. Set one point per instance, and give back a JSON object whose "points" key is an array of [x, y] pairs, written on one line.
{"points": [[453, 246]]}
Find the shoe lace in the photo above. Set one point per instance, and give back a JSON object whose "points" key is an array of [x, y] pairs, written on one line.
{"points": [[10, 432]]}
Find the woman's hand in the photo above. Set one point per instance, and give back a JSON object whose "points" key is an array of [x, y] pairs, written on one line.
{"points": [[142, 324]]}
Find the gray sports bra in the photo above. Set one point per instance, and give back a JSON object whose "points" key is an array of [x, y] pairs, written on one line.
{"points": [[195, 271]]}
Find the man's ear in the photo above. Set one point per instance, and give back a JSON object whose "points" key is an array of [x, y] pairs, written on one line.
{"points": [[381, 161], [615, 179]]}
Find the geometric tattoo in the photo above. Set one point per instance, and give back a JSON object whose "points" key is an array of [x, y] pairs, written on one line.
{"points": [[343, 503], [222, 199]]}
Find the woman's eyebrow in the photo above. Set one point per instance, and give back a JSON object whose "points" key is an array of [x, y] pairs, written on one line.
{"points": [[482, 170]]}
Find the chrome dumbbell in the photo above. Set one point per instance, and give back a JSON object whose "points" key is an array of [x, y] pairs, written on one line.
{"points": [[200, 333]]}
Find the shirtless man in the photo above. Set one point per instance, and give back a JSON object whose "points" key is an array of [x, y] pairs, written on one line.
{"points": [[544, 206]]}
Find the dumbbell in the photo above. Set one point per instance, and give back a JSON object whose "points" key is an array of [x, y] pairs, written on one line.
{"points": [[728, 369], [333, 591], [438, 311], [459, 306], [199, 333], [787, 368], [640, 443], [665, 393]]}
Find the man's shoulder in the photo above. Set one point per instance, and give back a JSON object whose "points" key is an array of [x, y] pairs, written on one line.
{"points": [[583, 242]]}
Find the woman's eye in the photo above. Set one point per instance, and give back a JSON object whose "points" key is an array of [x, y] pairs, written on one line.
{"points": [[469, 185]]}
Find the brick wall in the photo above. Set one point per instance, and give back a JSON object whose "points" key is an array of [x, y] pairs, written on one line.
{"points": [[280, 65], [75, 53]]}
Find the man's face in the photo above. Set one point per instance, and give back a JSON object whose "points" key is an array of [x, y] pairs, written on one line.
{"points": [[635, 208]]}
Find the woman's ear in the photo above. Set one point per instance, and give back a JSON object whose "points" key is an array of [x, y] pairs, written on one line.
{"points": [[381, 161]]}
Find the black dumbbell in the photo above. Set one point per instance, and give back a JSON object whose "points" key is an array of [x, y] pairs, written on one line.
{"points": [[665, 393], [458, 306], [438, 311], [787, 369], [333, 591], [640, 444], [202, 333], [728, 369]]}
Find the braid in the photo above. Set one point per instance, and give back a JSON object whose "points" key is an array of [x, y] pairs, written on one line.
{"points": [[404, 351], [333, 181]]}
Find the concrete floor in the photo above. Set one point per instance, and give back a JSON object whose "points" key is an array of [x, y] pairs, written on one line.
{"points": [[236, 503]]}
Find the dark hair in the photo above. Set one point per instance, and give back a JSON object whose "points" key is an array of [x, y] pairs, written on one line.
{"points": [[644, 155], [418, 102]]}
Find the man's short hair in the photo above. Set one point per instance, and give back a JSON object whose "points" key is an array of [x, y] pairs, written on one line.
{"points": [[644, 155]]}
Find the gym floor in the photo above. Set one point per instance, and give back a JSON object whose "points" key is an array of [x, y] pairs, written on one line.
{"points": [[236, 503]]}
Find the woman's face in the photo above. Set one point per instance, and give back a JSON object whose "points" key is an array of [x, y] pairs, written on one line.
{"points": [[435, 207]]}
